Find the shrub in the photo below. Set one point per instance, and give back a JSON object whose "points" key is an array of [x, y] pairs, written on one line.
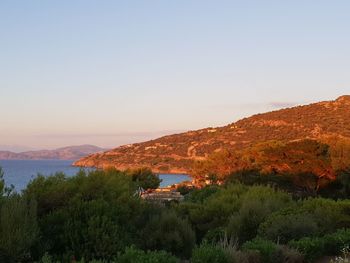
{"points": [[47, 259], [90, 216], [312, 217], [167, 231], [50, 192], [331, 244], [133, 255], [258, 203], [93, 230], [337, 241], [214, 235], [273, 253], [184, 190], [266, 248], [209, 254], [311, 248], [19, 230], [57, 191], [200, 195], [329, 215], [280, 228], [212, 207], [285, 254], [248, 256]]}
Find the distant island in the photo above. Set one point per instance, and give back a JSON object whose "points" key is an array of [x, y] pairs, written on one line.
{"points": [[65, 153]]}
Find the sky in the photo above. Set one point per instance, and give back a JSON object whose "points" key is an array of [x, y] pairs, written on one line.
{"points": [[114, 72]]}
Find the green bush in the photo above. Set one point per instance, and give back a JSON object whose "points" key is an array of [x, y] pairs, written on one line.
{"points": [[312, 217], [167, 231], [133, 255], [328, 245], [47, 259], [311, 248], [19, 230], [93, 230], [91, 215], [266, 248], [330, 215], [200, 195], [271, 252], [57, 191], [337, 241], [145, 178], [209, 254], [280, 228], [212, 207], [214, 235], [257, 204]]}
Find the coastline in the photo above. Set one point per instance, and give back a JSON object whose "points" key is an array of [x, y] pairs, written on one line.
{"points": [[122, 168]]}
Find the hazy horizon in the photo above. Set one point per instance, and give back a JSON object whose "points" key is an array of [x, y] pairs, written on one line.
{"points": [[113, 73]]}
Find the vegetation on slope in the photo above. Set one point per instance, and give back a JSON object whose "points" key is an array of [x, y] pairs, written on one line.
{"points": [[258, 141]]}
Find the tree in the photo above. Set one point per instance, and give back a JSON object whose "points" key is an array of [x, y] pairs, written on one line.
{"points": [[257, 204], [4, 190], [90, 215], [93, 230], [19, 230], [220, 164], [145, 178], [169, 232]]}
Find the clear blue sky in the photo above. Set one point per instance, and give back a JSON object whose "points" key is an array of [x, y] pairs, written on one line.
{"points": [[115, 72]]}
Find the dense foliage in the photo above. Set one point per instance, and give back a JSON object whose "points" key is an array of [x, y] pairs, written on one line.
{"points": [[303, 168], [98, 217], [144, 178]]}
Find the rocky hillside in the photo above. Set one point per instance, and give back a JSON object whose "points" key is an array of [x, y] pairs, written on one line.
{"points": [[324, 121], [66, 153]]}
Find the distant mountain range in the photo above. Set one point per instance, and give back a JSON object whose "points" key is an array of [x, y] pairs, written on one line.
{"points": [[326, 122], [66, 153]]}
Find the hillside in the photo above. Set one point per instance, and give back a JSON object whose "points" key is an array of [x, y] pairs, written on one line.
{"points": [[326, 122], [66, 153]]}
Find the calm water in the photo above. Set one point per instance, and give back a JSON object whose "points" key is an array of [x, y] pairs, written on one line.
{"points": [[20, 172]]}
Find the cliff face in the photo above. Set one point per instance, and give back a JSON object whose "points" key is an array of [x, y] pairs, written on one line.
{"points": [[176, 153], [66, 153]]}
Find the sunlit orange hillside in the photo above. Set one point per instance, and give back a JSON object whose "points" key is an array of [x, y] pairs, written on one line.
{"points": [[327, 124]]}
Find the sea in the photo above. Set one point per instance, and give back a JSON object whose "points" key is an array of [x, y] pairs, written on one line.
{"points": [[20, 172]]}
